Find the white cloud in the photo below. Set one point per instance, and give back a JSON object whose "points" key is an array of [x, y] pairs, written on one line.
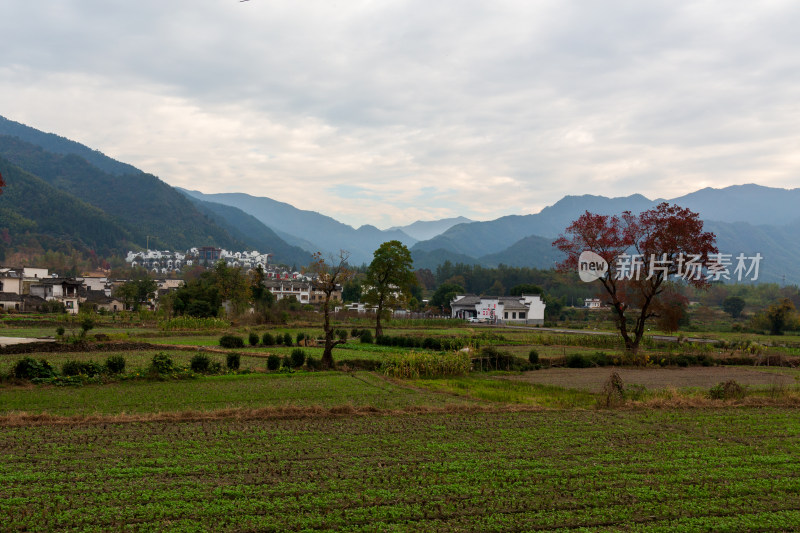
{"points": [[490, 109]]}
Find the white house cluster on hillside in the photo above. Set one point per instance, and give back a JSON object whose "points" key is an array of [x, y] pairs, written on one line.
{"points": [[166, 261], [500, 309]]}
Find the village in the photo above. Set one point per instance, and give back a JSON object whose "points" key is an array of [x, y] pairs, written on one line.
{"points": [[33, 289]]}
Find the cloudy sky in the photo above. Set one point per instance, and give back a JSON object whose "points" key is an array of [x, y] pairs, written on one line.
{"points": [[386, 112]]}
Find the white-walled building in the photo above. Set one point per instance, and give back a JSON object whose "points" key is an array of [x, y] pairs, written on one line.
{"points": [[64, 290], [501, 309]]}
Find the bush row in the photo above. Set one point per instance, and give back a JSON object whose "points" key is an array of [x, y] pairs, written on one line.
{"points": [[490, 358], [161, 364], [430, 343], [269, 339]]}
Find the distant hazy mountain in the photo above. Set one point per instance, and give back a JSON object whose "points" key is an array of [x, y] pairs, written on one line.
{"points": [[432, 259], [249, 229], [428, 229], [778, 245], [754, 204], [59, 145], [532, 251], [309, 229], [61, 194], [778, 242], [482, 238]]}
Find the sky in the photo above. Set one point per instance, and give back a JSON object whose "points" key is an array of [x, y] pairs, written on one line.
{"points": [[386, 112]]}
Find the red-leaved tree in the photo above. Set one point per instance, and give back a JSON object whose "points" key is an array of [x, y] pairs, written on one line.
{"points": [[643, 252]]}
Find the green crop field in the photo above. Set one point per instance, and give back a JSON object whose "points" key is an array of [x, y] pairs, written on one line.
{"points": [[355, 450], [667, 470], [325, 389]]}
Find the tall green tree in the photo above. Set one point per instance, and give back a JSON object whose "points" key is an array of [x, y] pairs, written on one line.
{"points": [[389, 279], [780, 316], [733, 305], [138, 290], [198, 296], [263, 299], [445, 294], [233, 286]]}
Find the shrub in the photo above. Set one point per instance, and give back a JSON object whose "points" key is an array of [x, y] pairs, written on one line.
{"points": [[162, 363], [342, 334], [86, 324], [76, 368], [231, 341], [30, 368], [253, 338], [366, 337], [199, 363], [279, 338], [115, 364], [287, 339], [71, 368], [60, 331], [491, 358], [313, 363], [268, 339], [533, 357], [577, 360], [273, 362], [233, 360], [355, 332], [431, 343], [300, 337], [730, 390], [298, 357], [613, 393]]}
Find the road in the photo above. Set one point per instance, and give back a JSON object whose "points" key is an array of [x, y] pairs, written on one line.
{"points": [[665, 338]]}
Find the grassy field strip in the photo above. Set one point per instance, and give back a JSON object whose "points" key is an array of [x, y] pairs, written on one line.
{"points": [[669, 470], [325, 389]]}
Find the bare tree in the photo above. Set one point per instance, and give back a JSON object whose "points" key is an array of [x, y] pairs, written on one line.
{"points": [[329, 276]]}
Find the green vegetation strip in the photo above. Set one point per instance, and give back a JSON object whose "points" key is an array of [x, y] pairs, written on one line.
{"points": [[325, 389], [665, 470]]}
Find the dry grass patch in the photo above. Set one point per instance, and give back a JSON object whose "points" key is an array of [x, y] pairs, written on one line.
{"points": [[593, 379]]}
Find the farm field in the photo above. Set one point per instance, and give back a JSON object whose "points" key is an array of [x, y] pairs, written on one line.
{"points": [[592, 379], [207, 393], [665, 470], [299, 449]]}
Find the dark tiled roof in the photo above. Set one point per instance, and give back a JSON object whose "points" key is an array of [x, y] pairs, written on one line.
{"points": [[10, 297], [512, 304], [468, 299], [59, 281]]}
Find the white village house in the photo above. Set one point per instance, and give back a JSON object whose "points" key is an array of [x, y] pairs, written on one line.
{"points": [[502, 309]]}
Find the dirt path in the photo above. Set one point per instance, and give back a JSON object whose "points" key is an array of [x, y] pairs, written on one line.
{"points": [[8, 341], [592, 379]]}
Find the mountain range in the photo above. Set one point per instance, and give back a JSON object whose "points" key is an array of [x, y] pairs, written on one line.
{"points": [[63, 195]]}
